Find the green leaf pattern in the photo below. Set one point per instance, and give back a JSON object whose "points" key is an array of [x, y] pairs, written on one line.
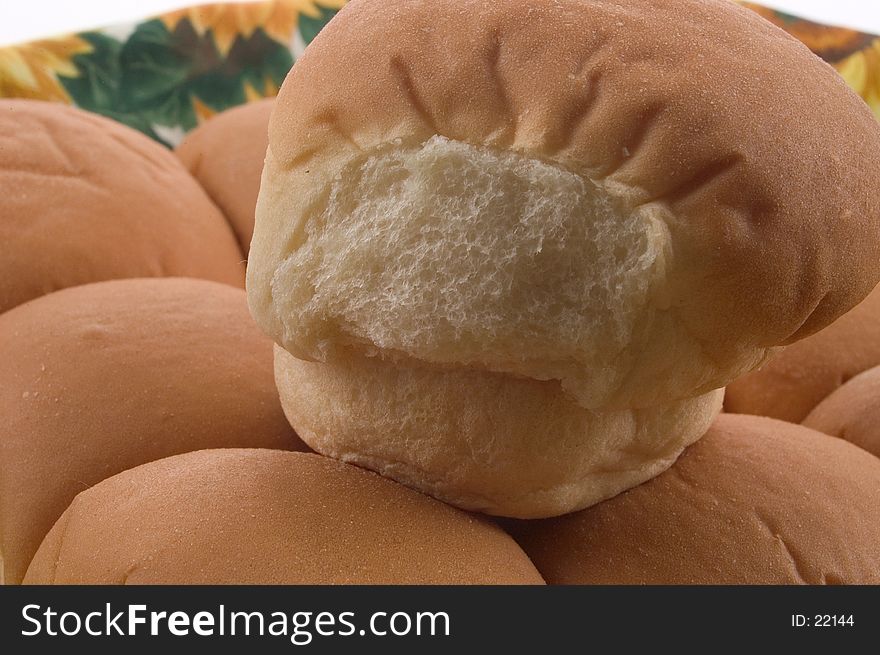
{"points": [[157, 78], [169, 73]]}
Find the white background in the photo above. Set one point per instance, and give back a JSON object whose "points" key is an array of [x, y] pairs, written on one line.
{"points": [[21, 20]]}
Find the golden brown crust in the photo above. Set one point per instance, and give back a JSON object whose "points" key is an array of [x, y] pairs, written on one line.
{"points": [[755, 153], [797, 379], [103, 377], [755, 501], [226, 155], [269, 517], [852, 412], [87, 199]]}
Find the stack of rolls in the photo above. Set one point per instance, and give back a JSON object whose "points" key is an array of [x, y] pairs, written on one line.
{"points": [[517, 278], [509, 282]]}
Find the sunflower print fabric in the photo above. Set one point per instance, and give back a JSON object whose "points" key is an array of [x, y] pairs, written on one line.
{"points": [[165, 75]]}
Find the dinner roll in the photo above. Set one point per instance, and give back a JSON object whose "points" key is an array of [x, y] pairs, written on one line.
{"points": [[103, 377], [484, 441], [791, 384], [755, 501], [631, 215], [407, 198], [852, 412], [87, 199], [225, 154], [269, 517]]}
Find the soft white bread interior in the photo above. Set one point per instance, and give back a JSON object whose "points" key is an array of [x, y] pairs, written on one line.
{"points": [[456, 254]]}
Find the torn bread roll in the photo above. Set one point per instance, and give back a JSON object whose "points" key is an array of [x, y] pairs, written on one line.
{"points": [[269, 517], [103, 377], [755, 501], [87, 199], [604, 215]]}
